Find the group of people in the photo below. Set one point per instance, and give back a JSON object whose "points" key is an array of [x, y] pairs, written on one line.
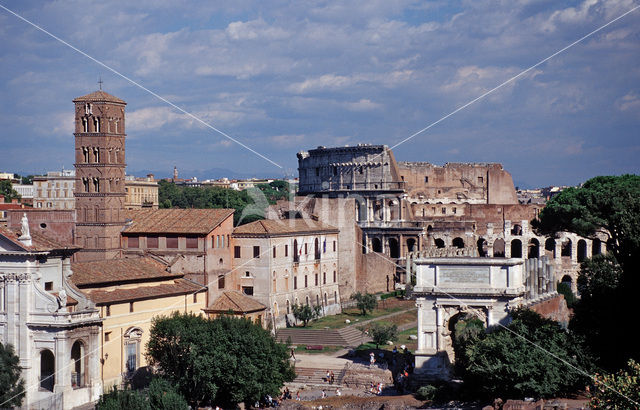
{"points": [[376, 388], [330, 377]]}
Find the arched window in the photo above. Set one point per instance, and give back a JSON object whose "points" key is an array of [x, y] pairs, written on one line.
{"points": [[596, 247], [411, 243], [96, 125], [78, 365], [582, 250], [516, 230], [316, 249], [132, 338], [550, 247], [482, 247], [516, 248], [439, 243], [458, 243], [394, 248], [296, 254], [534, 248], [47, 370], [566, 248], [376, 244]]}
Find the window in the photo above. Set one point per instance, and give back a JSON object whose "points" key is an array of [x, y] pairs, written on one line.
{"points": [[195, 298], [108, 309], [306, 282], [453, 210], [317, 172], [236, 252], [334, 246], [78, 370], [247, 274], [107, 336], [444, 210], [256, 251], [47, 370], [192, 242], [222, 241], [334, 276], [274, 251], [133, 242], [247, 290], [220, 281], [324, 278], [48, 286], [286, 250], [130, 307], [426, 180], [480, 180], [305, 249], [295, 282], [316, 278], [152, 241], [172, 242]]}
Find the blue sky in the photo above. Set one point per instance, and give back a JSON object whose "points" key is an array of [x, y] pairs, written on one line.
{"points": [[285, 76]]}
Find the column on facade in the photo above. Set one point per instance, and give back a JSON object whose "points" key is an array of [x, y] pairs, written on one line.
{"points": [[439, 328], [62, 357]]}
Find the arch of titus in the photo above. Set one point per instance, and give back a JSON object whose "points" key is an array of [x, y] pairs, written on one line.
{"points": [[451, 281]]}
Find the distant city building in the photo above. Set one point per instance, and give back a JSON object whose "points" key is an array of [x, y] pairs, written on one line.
{"points": [[26, 192], [141, 192], [7, 175], [54, 190], [5, 209]]}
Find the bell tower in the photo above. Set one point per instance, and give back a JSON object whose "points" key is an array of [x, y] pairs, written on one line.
{"points": [[100, 168]]}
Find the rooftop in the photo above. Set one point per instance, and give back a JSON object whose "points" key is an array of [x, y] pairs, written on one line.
{"points": [[185, 221], [39, 243], [99, 96], [274, 227], [106, 272], [178, 287], [235, 302]]}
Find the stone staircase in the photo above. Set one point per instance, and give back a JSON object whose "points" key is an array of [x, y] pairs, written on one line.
{"points": [[313, 376], [348, 337]]}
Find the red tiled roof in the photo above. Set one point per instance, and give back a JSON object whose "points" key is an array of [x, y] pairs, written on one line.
{"points": [[99, 96], [273, 227], [104, 272], [178, 287], [235, 302], [39, 243], [185, 221]]}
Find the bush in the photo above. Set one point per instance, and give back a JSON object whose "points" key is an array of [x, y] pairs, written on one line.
{"points": [[565, 290], [163, 395], [12, 389], [427, 392], [381, 333], [365, 302], [123, 399], [617, 391]]}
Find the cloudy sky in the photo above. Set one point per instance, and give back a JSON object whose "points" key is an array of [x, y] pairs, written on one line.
{"points": [[285, 76]]}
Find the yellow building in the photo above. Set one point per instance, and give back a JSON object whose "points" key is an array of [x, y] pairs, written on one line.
{"points": [[129, 293], [140, 192]]}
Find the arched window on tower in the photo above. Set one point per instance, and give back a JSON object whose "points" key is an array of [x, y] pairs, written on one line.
{"points": [[87, 108], [96, 125], [85, 125], [96, 184], [96, 154], [85, 154], [85, 183]]}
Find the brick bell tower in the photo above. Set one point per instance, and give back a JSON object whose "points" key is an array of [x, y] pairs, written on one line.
{"points": [[100, 167]]}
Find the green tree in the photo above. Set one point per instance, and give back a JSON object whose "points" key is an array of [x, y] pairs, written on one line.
{"points": [[365, 302], [382, 332], [305, 313], [521, 360], [607, 284], [116, 399], [7, 190], [12, 389], [617, 391], [223, 361], [164, 395], [467, 330]]}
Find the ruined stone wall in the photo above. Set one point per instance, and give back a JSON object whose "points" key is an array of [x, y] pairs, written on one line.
{"points": [[457, 183], [377, 273], [554, 308]]}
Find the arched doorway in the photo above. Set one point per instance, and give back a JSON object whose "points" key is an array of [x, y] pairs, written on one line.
{"points": [[47, 370], [498, 248], [78, 369], [439, 243], [550, 247], [376, 245], [582, 250], [457, 243], [394, 248], [464, 328], [533, 248], [516, 248], [482, 247]]}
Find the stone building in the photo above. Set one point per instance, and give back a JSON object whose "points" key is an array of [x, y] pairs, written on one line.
{"points": [[196, 242], [100, 171], [54, 328], [54, 190], [25, 191], [281, 263], [141, 192], [129, 293]]}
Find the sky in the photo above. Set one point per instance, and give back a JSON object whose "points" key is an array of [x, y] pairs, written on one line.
{"points": [[284, 76]]}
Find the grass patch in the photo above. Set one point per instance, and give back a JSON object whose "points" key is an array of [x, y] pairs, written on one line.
{"points": [[354, 315], [302, 349]]}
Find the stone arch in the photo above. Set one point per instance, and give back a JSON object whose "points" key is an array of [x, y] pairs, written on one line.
{"points": [[566, 248], [550, 247], [411, 244], [394, 248], [482, 247], [47, 370], [516, 248], [498, 248], [582, 250], [376, 245], [78, 364], [533, 250], [457, 242], [567, 279], [439, 243], [516, 230], [596, 247]]}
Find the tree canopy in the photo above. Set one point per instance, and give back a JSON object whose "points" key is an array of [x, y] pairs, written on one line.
{"points": [[12, 388], [221, 361], [522, 359], [305, 313], [249, 204], [365, 302], [607, 284], [6, 189]]}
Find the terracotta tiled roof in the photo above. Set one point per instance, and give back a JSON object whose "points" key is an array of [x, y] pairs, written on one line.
{"points": [[39, 243], [87, 274], [273, 227], [99, 96], [235, 302], [178, 287], [185, 221]]}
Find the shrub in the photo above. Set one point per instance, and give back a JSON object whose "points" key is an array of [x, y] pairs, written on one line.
{"points": [[427, 392]]}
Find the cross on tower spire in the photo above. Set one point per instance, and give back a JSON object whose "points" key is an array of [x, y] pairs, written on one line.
{"points": [[100, 82]]}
